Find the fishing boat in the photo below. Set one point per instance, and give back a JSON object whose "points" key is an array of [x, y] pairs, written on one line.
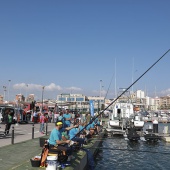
{"points": [[122, 117], [118, 120]]}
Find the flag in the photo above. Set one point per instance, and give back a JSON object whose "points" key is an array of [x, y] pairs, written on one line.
{"points": [[91, 108]]}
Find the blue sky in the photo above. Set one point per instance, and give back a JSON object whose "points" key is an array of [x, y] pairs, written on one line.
{"points": [[69, 46]]}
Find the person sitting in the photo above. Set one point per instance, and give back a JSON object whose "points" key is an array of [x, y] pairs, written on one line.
{"points": [[97, 125], [90, 128], [74, 135], [56, 142]]}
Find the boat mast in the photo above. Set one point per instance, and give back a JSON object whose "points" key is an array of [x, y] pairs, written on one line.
{"points": [[132, 71], [115, 80]]}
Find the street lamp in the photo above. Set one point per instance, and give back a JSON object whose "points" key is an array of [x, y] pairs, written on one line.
{"points": [[4, 87], [8, 89], [100, 94], [26, 92], [42, 97]]}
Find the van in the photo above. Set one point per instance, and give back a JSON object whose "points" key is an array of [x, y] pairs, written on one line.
{"points": [[3, 109]]}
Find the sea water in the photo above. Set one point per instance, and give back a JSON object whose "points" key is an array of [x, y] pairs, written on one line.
{"points": [[116, 153]]}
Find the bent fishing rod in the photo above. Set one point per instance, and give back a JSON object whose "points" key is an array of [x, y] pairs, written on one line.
{"points": [[130, 150], [101, 112]]}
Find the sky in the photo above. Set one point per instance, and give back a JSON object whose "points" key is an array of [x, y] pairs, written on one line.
{"points": [[91, 47]]}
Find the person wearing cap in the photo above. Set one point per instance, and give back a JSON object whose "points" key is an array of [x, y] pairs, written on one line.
{"points": [[55, 139]]}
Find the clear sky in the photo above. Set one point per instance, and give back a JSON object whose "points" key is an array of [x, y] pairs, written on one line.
{"points": [[68, 46]]}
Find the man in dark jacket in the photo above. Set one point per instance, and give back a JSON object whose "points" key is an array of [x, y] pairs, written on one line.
{"points": [[7, 121]]}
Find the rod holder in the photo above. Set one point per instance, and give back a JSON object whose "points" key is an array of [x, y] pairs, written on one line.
{"points": [[12, 139]]}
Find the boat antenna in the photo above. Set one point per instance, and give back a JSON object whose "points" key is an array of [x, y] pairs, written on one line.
{"points": [[123, 92]]}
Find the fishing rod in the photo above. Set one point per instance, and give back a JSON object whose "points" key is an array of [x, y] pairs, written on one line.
{"points": [[129, 150], [101, 112]]}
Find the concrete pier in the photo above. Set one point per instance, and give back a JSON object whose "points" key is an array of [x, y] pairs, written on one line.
{"points": [[17, 156]]}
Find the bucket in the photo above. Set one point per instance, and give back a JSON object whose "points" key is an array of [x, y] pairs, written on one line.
{"points": [[52, 157], [52, 162]]}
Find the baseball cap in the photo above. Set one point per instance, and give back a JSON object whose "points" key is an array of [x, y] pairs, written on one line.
{"points": [[58, 123]]}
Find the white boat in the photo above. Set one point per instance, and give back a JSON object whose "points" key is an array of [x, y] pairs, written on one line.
{"points": [[121, 118], [118, 120]]}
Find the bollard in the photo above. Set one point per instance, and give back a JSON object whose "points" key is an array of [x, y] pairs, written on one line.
{"points": [[155, 126], [12, 139], [33, 131], [46, 128]]}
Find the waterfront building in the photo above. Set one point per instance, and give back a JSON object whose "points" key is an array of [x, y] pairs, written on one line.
{"points": [[75, 102]]}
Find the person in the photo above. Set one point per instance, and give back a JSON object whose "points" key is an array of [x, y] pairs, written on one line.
{"points": [[49, 116], [91, 128], [74, 135], [35, 116], [88, 117], [72, 118], [67, 117], [61, 118], [97, 125], [42, 122], [8, 121], [52, 119], [56, 115], [55, 139]]}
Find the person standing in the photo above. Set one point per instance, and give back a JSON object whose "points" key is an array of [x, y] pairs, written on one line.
{"points": [[56, 115], [88, 117], [8, 121], [35, 116], [67, 117], [42, 122]]}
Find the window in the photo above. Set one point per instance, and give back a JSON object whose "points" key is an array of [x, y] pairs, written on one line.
{"points": [[79, 99]]}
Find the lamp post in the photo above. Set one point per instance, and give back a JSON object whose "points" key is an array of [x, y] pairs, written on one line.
{"points": [[8, 89], [4, 87], [100, 95], [103, 95], [42, 97], [26, 92]]}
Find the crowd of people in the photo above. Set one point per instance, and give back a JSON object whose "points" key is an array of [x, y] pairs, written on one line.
{"points": [[71, 132]]}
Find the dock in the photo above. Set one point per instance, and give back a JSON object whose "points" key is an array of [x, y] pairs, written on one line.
{"points": [[17, 156]]}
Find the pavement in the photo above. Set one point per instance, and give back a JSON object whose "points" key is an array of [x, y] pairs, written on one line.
{"points": [[22, 132], [15, 156]]}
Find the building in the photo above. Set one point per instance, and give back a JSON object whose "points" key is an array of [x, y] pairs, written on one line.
{"points": [[76, 102], [20, 98]]}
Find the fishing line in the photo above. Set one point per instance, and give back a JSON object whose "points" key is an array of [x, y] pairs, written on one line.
{"points": [[129, 150], [123, 92]]}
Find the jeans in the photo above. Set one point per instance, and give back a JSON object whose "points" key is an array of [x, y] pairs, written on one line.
{"points": [[42, 127], [7, 128], [79, 140]]}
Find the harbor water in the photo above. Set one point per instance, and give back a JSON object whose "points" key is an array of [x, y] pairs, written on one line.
{"points": [[117, 153]]}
